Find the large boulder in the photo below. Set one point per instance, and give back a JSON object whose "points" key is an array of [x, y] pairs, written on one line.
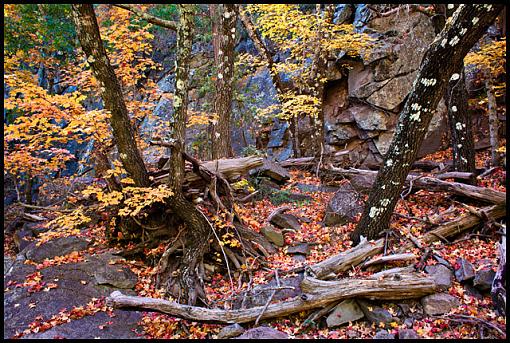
{"points": [[393, 92], [273, 235], [343, 207], [375, 314], [286, 221], [442, 275], [368, 118], [55, 247], [347, 311], [483, 279], [263, 332], [439, 303], [464, 270], [231, 331]]}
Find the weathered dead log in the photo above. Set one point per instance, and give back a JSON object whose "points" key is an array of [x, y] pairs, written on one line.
{"points": [[389, 258], [429, 183], [461, 224], [455, 175], [347, 259], [318, 294], [498, 291], [298, 162], [230, 168]]}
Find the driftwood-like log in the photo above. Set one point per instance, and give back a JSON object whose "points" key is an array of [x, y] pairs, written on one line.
{"points": [[389, 258], [298, 162], [461, 224], [347, 259], [318, 294], [429, 183], [229, 168]]}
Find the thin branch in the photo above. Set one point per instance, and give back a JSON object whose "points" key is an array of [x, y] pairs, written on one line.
{"points": [[172, 25]]}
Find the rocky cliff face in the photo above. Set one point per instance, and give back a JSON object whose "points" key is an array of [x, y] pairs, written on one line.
{"points": [[364, 96]]}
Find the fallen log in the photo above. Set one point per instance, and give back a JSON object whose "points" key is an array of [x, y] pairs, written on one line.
{"points": [[389, 258], [298, 162], [455, 175], [461, 224], [418, 182], [347, 259], [230, 169], [318, 294]]}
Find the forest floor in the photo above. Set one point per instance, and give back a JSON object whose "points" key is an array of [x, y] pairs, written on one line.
{"points": [[479, 248]]}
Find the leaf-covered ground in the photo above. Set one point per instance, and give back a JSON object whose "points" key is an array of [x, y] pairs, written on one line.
{"points": [[418, 209]]}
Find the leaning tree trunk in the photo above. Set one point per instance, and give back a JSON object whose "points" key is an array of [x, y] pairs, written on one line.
{"points": [[493, 120], [443, 58], [459, 122], [221, 133], [459, 119], [90, 40]]}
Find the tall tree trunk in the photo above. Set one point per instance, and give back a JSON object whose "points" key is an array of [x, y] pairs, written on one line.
{"points": [[221, 133], [443, 58], [90, 40], [178, 120], [459, 122], [493, 120], [459, 119]]}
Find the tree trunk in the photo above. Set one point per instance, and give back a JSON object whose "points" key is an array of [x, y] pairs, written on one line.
{"points": [[443, 58], [493, 120], [221, 133], [90, 40], [178, 120], [459, 121]]}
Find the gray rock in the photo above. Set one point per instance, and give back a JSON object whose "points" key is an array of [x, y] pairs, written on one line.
{"points": [[276, 136], [383, 141], [375, 314], [272, 170], [286, 221], [55, 247], [347, 311], [409, 322], [313, 188], [465, 272], [442, 275], [273, 235], [483, 279], [339, 134], [263, 332], [300, 197], [23, 238], [8, 262], [115, 276], [383, 334], [408, 334], [231, 331], [302, 248], [439, 303], [391, 95], [368, 118], [345, 204]]}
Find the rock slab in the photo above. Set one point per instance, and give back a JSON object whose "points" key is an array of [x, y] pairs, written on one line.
{"points": [[347, 311], [263, 332], [442, 275], [439, 303]]}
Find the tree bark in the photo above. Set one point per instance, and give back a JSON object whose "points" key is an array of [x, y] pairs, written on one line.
{"points": [[459, 122], [90, 40], [221, 133], [493, 120], [443, 58]]}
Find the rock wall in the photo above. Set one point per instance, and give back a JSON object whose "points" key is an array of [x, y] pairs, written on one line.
{"points": [[362, 104]]}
